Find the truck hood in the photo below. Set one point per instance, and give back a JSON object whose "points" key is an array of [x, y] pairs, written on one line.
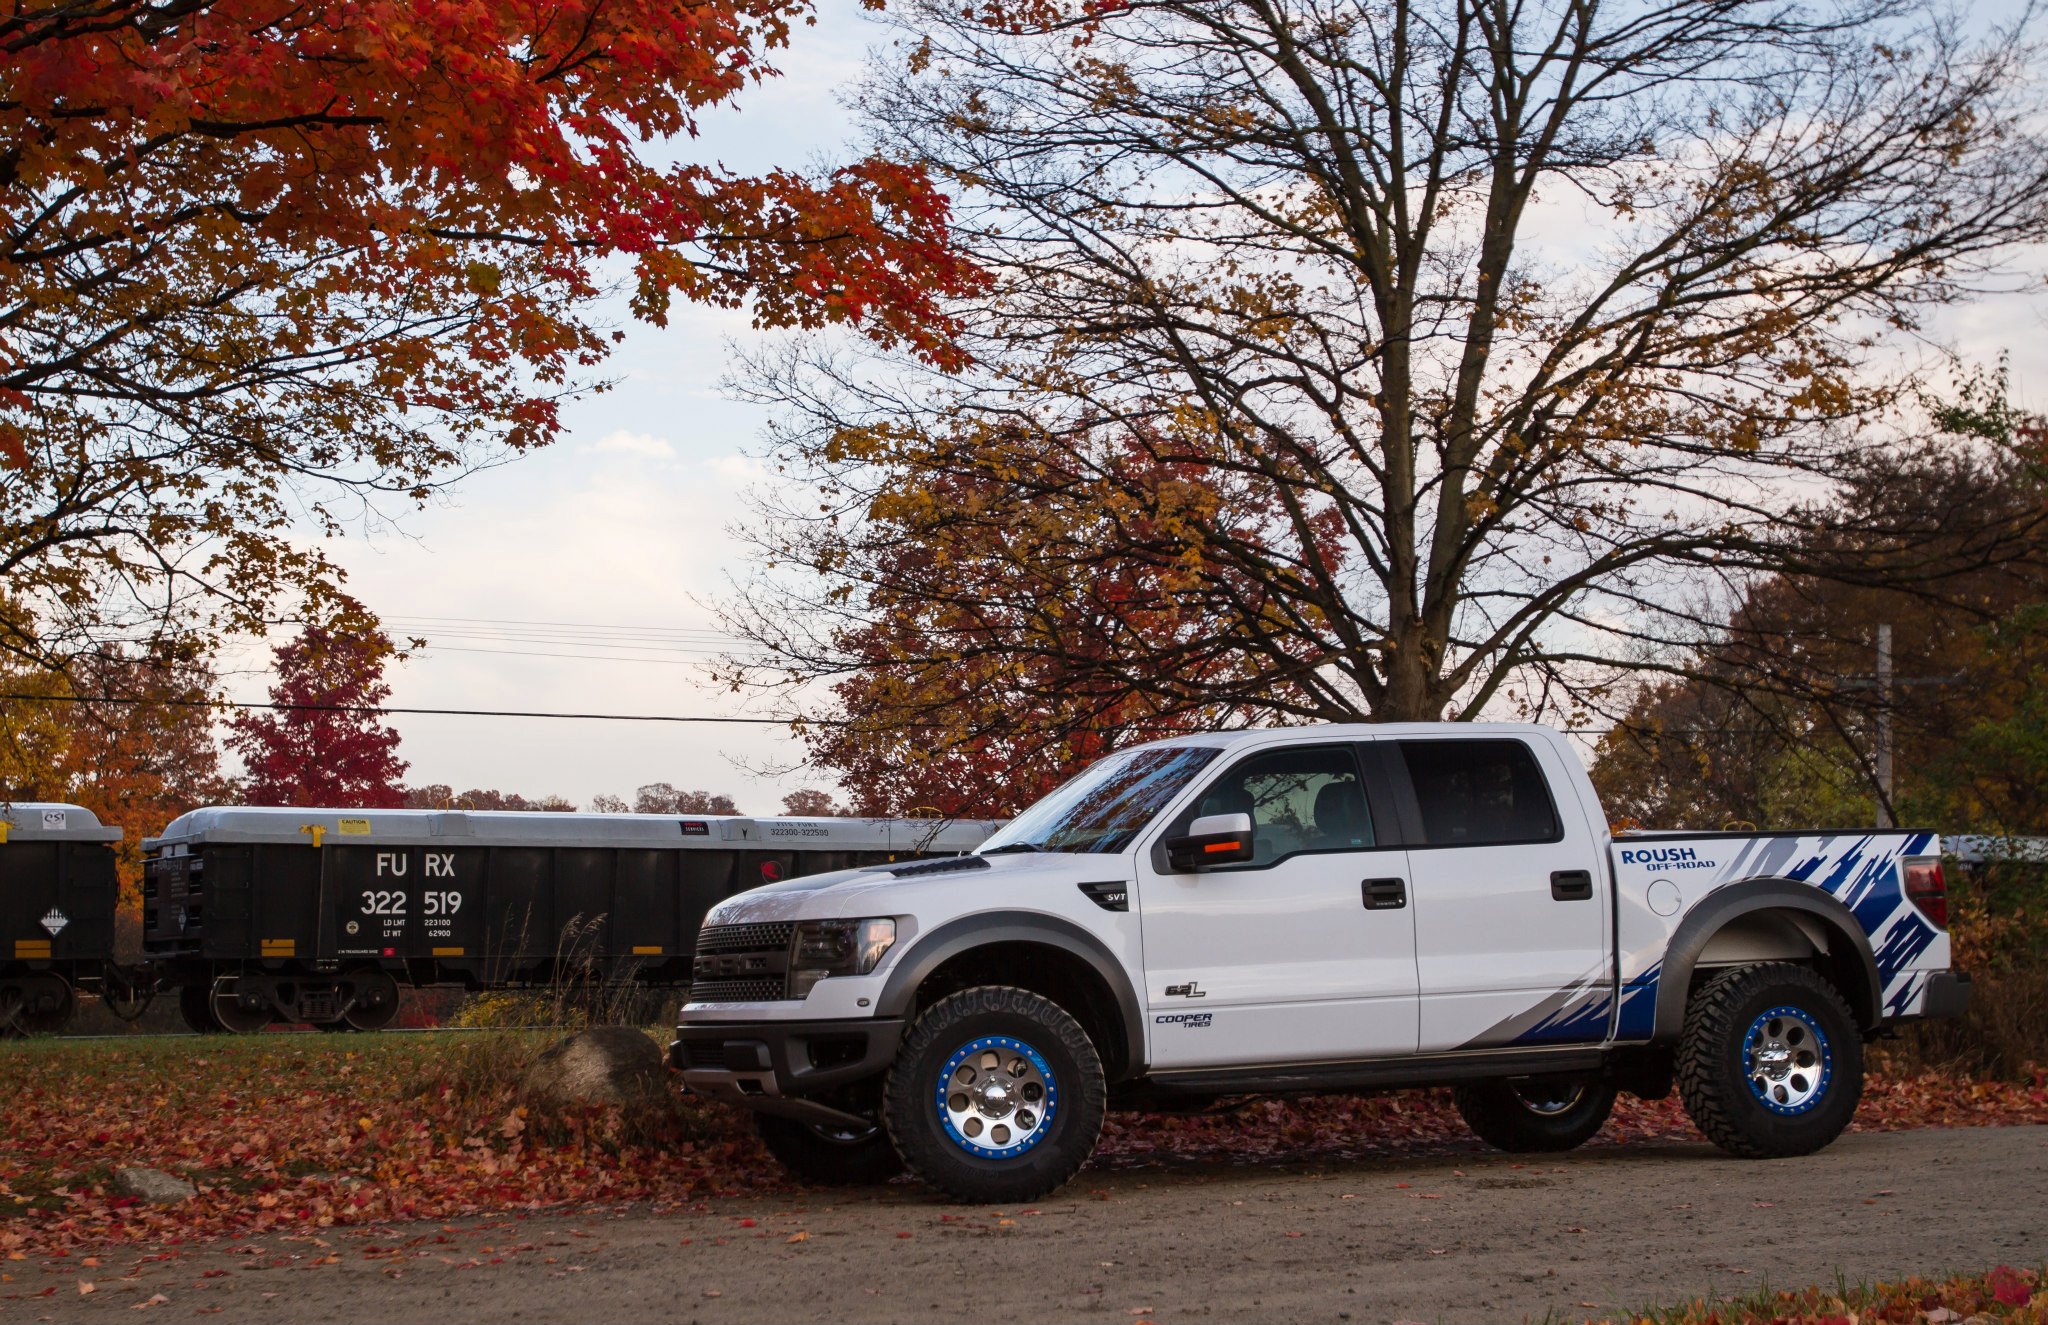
{"points": [[877, 890]]}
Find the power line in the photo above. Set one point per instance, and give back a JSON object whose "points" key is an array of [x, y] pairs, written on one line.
{"points": [[369, 708]]}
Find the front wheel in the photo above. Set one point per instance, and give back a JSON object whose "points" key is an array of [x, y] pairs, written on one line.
{"points": [[1770, 1063], [1536, 1115], [827, 1156], [996, 1096]]}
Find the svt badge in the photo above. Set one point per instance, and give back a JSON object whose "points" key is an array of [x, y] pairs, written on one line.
{"points": [[55, 922]]}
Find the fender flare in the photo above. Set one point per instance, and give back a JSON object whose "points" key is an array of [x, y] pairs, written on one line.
{"points": [[930, 951], [1716, 909]]}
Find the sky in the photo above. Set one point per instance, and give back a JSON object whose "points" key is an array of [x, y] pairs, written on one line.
{"points": [[580, 578], [616, 538]]}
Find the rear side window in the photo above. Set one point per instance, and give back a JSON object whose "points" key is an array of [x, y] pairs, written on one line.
{"points": [[1480, 793]]}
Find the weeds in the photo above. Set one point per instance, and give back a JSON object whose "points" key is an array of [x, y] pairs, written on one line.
{"points": [[2000, 1294]]}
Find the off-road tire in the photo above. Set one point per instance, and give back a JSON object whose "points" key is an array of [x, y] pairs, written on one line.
{"points": [[914, 1121], [1500, 1115], [815, 1157], [1715, 1083]]}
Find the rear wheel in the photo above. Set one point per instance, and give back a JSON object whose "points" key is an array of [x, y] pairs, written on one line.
{"points": [[996, 1096], [1535, 1115], [1771, 1061], [828, 1156]]}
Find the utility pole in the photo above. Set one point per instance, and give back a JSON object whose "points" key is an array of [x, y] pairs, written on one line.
{"points": [[1884, 726]]}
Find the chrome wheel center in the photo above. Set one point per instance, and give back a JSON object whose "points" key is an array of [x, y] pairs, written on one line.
{"points": [[996, 1097], [1788, 1060]]}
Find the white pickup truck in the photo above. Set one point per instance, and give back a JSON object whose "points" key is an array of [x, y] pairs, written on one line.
{"points": [[1312, 910]]}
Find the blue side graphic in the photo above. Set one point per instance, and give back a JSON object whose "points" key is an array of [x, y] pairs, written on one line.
{"points": [[1580, 1021], [1639, 1006], [1903, 943], [1906, 995]]}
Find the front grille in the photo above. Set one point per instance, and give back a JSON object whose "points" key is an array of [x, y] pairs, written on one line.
{"points": [[741, 963], [732, 938], [736, 991]]}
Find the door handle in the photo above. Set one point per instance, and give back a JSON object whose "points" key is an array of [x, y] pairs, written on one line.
{"points": [[1385, 894], [1572, 885]]}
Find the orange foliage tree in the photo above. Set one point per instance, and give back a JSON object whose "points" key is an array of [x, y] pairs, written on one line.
{"points": [[1012, 609], [126, 735], [262, 261]]}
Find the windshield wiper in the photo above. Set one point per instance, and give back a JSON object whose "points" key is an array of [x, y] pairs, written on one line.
{"points": [[1013, 846]]}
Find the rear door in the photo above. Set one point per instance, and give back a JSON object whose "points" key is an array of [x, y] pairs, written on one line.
{"points": [[1511, 916], [1305, 953]]}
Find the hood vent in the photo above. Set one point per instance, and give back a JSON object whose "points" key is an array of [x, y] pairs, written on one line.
{"points": [[947, 866]]}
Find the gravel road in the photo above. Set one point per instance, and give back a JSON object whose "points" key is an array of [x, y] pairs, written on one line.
{"points": [[1463, 1236]]}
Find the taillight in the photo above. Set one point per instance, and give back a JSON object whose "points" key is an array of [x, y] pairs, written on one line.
{"points": [[1926, 889]]}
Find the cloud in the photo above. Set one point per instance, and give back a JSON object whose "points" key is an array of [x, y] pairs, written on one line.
{"points": [[623, 442]]}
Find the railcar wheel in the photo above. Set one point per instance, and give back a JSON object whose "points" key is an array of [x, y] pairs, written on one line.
{"points": [[43, 1005], [195, 1008], [227, 1008], [373, 1003]]}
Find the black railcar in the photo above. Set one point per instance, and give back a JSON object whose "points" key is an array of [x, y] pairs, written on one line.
{"points": [[58, 894], [258, 916]]}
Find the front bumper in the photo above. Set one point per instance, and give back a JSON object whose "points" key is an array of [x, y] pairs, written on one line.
{"points": [[780, 1067]]}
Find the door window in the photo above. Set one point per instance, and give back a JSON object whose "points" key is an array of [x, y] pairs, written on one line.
{"points": [[1301, 800], [1480, 793]]}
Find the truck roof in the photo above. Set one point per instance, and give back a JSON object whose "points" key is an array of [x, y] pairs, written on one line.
{"points": [[1324, 731], [680, 832]]}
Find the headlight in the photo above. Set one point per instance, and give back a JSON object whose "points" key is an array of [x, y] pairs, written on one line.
{"points": [[836, 947]]}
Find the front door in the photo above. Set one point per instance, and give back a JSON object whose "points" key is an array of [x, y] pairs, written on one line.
{"points": [[1304, 953]]}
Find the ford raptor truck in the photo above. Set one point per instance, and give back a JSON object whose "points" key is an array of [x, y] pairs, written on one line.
{"points": [[1312, 910]]}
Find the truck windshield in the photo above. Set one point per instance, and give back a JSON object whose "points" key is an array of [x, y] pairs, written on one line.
{"points": [[1106, 806]]}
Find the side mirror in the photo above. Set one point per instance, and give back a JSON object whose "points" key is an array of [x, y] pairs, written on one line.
{"points": [[1213, 839]]}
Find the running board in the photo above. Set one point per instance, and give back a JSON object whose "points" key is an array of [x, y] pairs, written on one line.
{"points": [[1379, 1073]]}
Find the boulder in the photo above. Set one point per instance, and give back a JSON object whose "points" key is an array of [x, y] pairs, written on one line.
{"points": [[153, 1185], [602, 1065]]}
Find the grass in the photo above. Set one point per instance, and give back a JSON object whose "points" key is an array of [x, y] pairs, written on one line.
{"points": [[1999, 1294]]}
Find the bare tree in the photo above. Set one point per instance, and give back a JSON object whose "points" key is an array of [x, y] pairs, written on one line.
{"points": [[1509, 340]]}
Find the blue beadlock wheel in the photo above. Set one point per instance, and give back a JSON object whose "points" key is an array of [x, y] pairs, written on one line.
{"points": [[996, 1097], [1788, 1060]]}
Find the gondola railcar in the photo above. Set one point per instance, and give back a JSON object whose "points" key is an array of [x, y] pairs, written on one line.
{"points": [[262, 915], [58, 895]]}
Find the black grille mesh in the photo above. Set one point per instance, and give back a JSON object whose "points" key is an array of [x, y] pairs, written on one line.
{"points": [[746, 938], [736, 991]]}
